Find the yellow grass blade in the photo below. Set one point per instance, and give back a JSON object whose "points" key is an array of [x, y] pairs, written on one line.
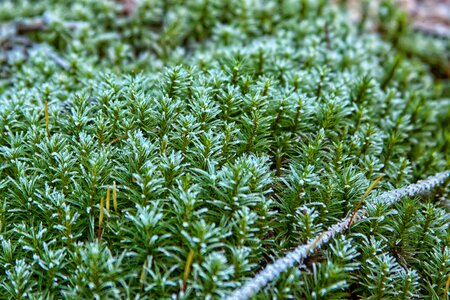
{"points": [[108, 199], [46, 118], [100, 219], [187, 270], [447, 286], [115, 196], [125, 136], [371, 187], [143, 274]]}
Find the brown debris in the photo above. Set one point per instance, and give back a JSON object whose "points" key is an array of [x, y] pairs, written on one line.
{"points": [[428, 16], [15, 44], [129, 7]]}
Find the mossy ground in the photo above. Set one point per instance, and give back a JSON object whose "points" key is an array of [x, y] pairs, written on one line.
{"points": [[174, 153]]}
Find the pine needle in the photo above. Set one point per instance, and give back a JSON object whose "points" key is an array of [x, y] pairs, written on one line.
{"points": [[115, 196], [371, 187], [100, 219], [187, 270]]}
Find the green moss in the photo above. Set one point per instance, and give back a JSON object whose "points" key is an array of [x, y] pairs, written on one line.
{"points": [[233, 130]]}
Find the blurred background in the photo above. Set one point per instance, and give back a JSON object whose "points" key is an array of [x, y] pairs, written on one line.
{"points": [[130, 33]]}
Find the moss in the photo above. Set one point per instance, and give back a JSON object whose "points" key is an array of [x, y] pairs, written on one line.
{"points": [[225, 133]]}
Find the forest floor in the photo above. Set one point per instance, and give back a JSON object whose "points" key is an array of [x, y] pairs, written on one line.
{"points": [[428, 16]]}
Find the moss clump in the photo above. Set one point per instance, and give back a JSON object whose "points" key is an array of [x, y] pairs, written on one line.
{"points": [[212, 136]]}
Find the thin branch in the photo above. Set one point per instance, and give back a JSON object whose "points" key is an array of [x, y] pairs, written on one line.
{"points": [[272, 271]]}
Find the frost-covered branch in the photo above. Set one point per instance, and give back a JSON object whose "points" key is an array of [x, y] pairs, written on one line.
{"points": [[272, 271]]}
